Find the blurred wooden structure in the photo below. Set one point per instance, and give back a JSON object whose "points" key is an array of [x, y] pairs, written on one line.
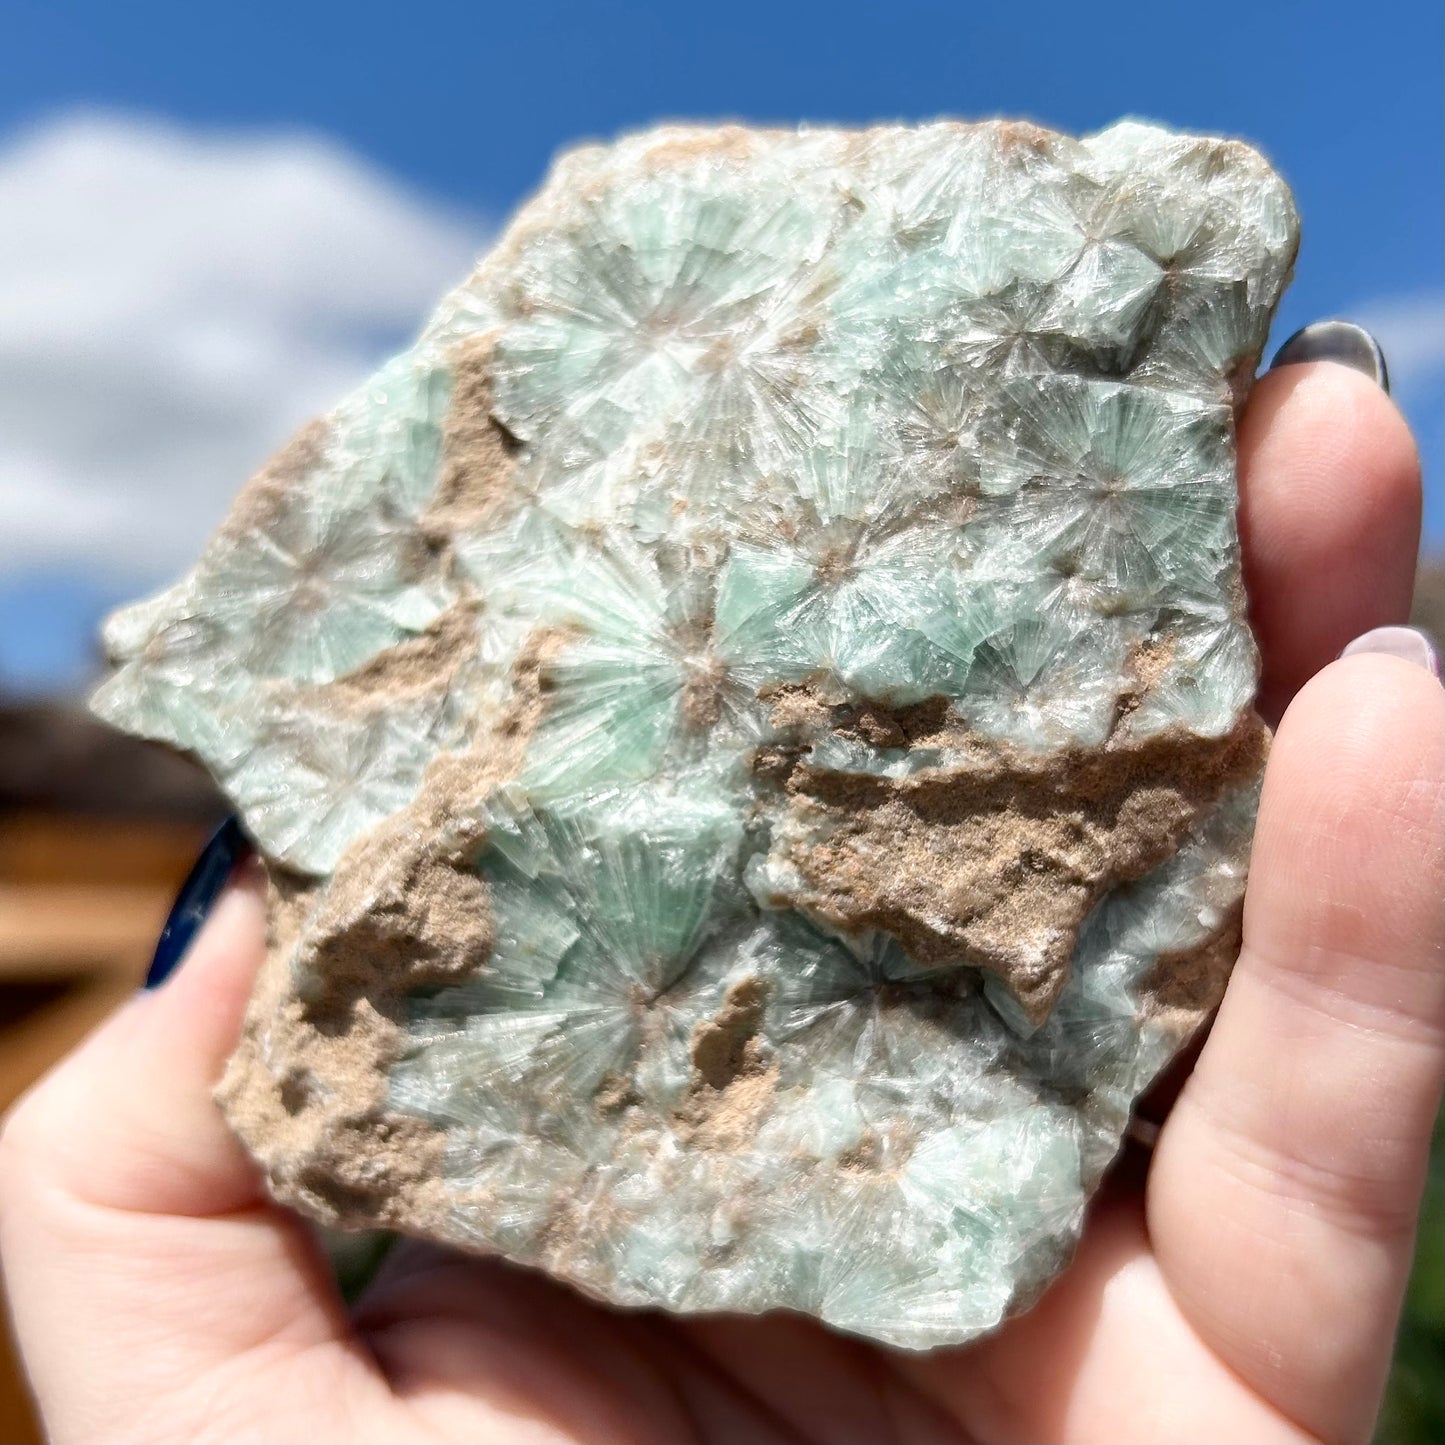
{"points": [[96, 833]]}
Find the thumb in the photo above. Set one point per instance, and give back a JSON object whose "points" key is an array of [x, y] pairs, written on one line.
{"points": [[139, 1252]]}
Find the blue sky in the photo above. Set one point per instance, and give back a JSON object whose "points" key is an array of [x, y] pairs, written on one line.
{"points": [[429, 122]]}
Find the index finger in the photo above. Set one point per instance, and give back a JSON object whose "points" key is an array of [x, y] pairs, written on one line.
{"points": [[1329, 518], [1283, 1194]]}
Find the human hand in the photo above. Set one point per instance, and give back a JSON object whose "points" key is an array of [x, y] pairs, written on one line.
{"points": [[1244, 1287]]}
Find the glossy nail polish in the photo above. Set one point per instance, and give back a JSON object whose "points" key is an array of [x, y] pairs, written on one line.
{"points": [[227, 847], [1340, 341]]}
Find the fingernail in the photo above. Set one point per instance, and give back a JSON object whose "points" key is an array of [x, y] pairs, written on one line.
{"points": [[225, 849], [1403, 642], [1340, 341]]}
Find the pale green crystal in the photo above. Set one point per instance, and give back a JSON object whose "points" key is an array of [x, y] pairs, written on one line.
{"points": [[823, 466]]}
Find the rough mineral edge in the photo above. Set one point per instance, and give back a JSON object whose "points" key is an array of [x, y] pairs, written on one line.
{"points": [[417, 617]]}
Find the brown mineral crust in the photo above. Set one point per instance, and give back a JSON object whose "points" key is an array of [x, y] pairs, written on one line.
{"points": [[307, 1102], [306, 1087], [719, 1044], [615, 1093], [799, 713], [995, 862], [290, 899], [432, 662], [732, 1123], [258, 502], [1185, 985], [405, 909], [1148, 666], [477, 480], [881, 1152], [734, 1080], [877, 726], [727, 1119]]}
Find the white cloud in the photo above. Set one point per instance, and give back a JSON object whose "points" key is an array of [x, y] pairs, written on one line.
{"points": [[1411, 330], [173, 303]]}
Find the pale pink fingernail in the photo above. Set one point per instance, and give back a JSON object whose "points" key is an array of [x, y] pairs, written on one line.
{"points": [[1403, 642]]}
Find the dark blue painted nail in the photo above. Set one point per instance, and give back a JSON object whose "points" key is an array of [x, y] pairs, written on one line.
{"points": [[1340, 341], [226, 847]]}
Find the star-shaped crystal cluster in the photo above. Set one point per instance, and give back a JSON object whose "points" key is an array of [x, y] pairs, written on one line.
{"points": [[750, 719]]}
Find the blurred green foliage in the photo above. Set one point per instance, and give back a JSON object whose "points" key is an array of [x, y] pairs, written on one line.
{"points": [[1414, 1411]]}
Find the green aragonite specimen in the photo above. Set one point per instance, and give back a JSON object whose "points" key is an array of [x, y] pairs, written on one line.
{"points": [[750, 719]]}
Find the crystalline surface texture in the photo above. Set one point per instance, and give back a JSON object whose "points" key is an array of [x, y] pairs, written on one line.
{"points": [[750, 719]]}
